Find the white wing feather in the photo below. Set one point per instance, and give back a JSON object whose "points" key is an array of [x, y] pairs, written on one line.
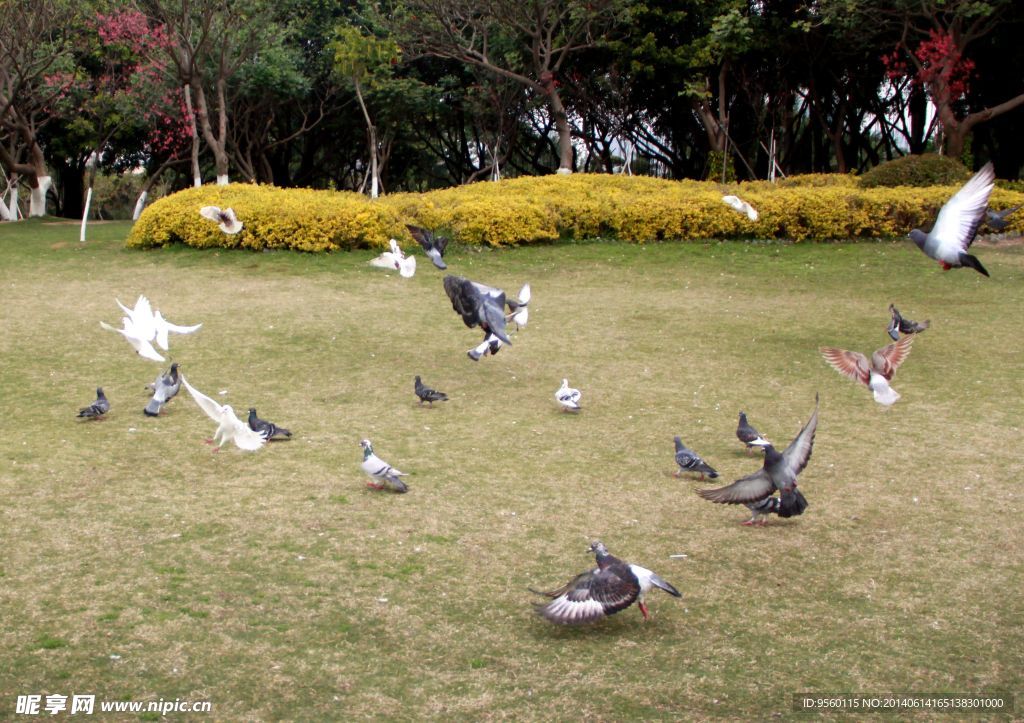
{"points": [[961, 213]]}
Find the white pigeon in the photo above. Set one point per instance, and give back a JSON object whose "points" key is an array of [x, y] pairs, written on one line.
{"points": [[226, 219], [519, 307], [163, 327], [151, 325], [229, 427], [742, 206], [396, 259], [133, 336], [382, 473], [568, 397]]}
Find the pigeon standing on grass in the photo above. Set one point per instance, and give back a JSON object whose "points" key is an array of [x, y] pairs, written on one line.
{"points": [[97, 409], [383, 474], [690, 461], [269, 430], [165, 388], [875, 373], [568, 397], [612, 586], [957, 224], [478, 305], [747, 434], [229, 427], [432, 244], [900, 325], [426, 394], [225, 218]]}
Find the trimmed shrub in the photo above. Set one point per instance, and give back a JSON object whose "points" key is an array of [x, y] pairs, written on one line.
{"points": [[928, 169]]}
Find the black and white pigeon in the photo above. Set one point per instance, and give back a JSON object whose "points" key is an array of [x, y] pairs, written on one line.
{"points": [[690, 461], [478, 305], [432, 244], [957, 224], [426, 394], [97, 409], [166, 386], [383, 474], [612, 586], [225, 218], [996, 220], [269, 430], [747, 434], [900, 325], [229, 427], [778, 474], [568, 397], [875, 373]]}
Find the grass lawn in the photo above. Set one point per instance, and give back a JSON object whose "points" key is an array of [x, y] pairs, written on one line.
{"points": [[138, 565]]}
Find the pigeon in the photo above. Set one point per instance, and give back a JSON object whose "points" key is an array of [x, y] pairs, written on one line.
{"points": [[396, 259], [426, 394], [518, 311], [382, 472], [490, 345], [97, 409], [612, 586], [874, 374], [229, 427], [741, 206], [225, 219], [478, 305], [269, 430], [996, 220], [151, 324], [434, 246], [690, 461], [133, 336], [899, 325], [957, 224], [568, 397], [779, 472], [165, 387], [747, 434]]}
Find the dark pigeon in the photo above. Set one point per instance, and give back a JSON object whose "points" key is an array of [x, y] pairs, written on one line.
{"points": [[165, 388], [269, 430], [433, 245], [900, 325], [426, 394], [747, 434], [478, 305], [996, 220], [690, 461], [98, 408]]}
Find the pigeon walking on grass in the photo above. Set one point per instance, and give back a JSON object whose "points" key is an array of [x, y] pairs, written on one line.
{"points": [[97, 409], [690, 461], [432, 244], [165, 388], [612, 586], [900, 325], [229, 427], [568, 397], [875, 373], [478, 305], [426, 394], [957, 224], [747, 434], [269, 430], [383, 474], [225, 218]]}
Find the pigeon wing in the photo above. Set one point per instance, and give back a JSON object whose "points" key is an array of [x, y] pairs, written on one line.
{"points": [[592, 596], [210, 213], [210, 407], [958, 220], [797, 454], [424, 237], [752, 488], [244, 437], [887, 360], [850, 364], [464, 297]]}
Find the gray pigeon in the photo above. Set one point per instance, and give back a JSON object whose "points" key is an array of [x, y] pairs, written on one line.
{"points": [[97, 409], [269, 430], [690, 461], [996, 220], [478, 305], [900, 325], [778, 474], [747, 434], [957, 224], [383, 474], [165, 388], [433, 246], [426, 394]]}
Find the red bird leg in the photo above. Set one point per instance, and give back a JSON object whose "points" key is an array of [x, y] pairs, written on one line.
{"points": [[643, 609], [945, 266]]}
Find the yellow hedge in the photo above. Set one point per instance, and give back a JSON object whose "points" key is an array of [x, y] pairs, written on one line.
{"points": [[538, 209]]}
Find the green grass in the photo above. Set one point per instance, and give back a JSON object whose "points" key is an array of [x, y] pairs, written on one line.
{"points": [[138, 565]]}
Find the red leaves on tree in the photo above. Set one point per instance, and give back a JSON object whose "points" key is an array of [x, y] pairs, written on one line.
{"points": [[941, 67]]}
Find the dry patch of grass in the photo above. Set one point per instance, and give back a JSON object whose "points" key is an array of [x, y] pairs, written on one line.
{"points": [[276, 585]]}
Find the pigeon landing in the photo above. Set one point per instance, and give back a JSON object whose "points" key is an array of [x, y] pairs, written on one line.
{"points": [[957, 224], [426, 394], [747, 434], [568, 397], [225, 219], [741, 206], [478, 305], [874, 374], [613, 586], [433, 246], [996, 220], [899, 325], [165, 388], [269, 430], [151, 325], [779, 473], [136, 338], [229, 427], [383, 474], [396, 259], [518, 311], [690, 461], [97, 409]]}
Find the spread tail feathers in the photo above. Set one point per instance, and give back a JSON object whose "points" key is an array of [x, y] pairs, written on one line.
{"points": [[792, 503], [972, 262]]}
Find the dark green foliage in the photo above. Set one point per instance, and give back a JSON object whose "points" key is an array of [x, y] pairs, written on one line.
{"points": [[929, 169]]}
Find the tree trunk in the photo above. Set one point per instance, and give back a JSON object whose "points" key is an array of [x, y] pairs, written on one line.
{"points": [[197, 178], [562, 127], [371, 141], [918, 109], [217, 145], [90, 166]]}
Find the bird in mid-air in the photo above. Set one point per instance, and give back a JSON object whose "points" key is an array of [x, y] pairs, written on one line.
{"points": [[901, 325], [874, 373], [225, 218]]}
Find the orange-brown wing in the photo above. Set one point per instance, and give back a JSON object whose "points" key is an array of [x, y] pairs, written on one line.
{"points": [[850, 364], [887, 360]]}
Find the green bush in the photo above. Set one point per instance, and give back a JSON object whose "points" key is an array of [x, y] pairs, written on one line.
{"points": [[929, 169]]}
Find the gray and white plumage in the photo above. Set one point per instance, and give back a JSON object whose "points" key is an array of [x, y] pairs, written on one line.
{"points": [[490, 345], [225, 218], [996, 220], [956, 226], [165, 387], [612, 586], [136, 338], [778, 474], [426, 394], [383, 474], [741, 206], [269, 430], [568, 397], [98, 408], [229, 427], [478, 305], [690, 461], [900, 325], [433, 245], [874, 373], [747, 434], [396, 259], [519, 310]]}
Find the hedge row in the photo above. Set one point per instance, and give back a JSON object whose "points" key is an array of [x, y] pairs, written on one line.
{"points": [[538, 209]]}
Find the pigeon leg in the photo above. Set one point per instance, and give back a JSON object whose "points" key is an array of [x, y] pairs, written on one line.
{"points": [[373, 486], [676, 474], [748, 523], [643, 609]]}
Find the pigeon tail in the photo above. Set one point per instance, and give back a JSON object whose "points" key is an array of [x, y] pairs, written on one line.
{"points": [[973, 263], [153, 408], [792, 503]]}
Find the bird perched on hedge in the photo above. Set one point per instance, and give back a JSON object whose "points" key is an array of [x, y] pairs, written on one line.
{"points": [[900, 325], [690, 461], [478, 305], [996, 220], [229, 427], [432, 244], [747, 434], [875, 373], [269, 430], [383, 474], [426, 394], [165, 388], [568, 397], [225, 219], [957, 224], [778, 474], [612, 586], [97, 409]]}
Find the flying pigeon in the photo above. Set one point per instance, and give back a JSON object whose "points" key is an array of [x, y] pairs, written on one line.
{"points": [[490, 345], [478, 305], [225, 219], [396, 259], [165, 387], [151, 325], [690, 461], [269, 430], [382, 472], [426, 394], [518, 311], [229, 427], [747, 434], [997, 219], [957, 224], [779, 473], [741, 206], [874, 374], [434, 246], [98, 408], [139, 343], [612, 586], [568, 397], [899, 325]]}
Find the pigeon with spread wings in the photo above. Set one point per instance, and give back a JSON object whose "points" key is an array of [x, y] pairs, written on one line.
{"points": [[229, 427], [875, 373], [478, 305], [432, 244]]}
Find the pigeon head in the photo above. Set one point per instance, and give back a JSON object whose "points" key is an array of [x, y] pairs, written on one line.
{"points": [[174, 367], [99, 392], [918, 237], [598, 548]]}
